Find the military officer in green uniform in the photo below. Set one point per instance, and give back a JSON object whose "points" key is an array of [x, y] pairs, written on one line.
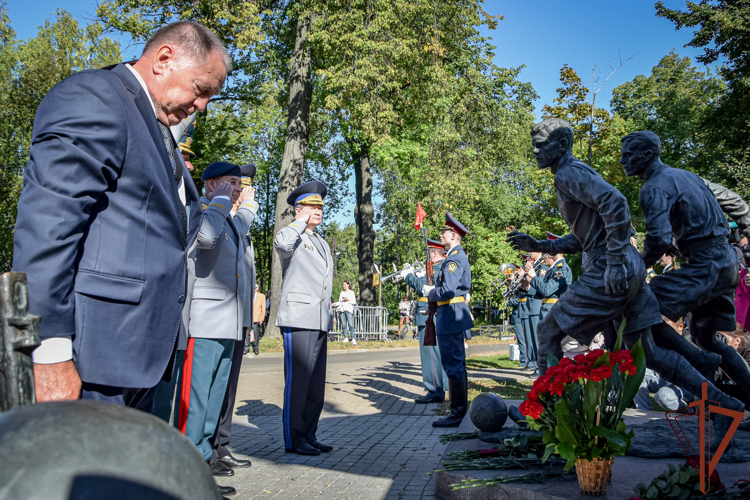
{"points": [[453, 319], [433, 375]]}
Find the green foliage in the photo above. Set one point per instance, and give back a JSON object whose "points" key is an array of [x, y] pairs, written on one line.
{"points": [[723, 31], [29, 69], [683, 483]]}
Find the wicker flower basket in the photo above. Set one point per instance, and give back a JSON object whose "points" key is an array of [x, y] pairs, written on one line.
{"points": [[593, 475]]}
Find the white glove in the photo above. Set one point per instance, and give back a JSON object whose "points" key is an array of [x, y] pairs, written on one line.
{"points": [[426, 290], [405, 272], [421, 274]]}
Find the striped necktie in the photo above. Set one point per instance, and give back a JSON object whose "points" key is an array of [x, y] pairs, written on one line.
{"points": [[166, 134]]}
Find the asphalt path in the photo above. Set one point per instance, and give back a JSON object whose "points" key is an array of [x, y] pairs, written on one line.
{"points": [[346, 359]]}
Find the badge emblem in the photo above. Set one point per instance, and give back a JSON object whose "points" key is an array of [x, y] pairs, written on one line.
{"points": [[452, 267]]}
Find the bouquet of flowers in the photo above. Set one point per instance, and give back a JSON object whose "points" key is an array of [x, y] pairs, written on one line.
{"points": [[579, 403]]}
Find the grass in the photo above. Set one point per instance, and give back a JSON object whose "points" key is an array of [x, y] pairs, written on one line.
{"points": [[506, 388], [276, 344]]}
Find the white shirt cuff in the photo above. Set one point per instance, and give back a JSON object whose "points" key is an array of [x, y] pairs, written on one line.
{"points": [[53, 350], [221, 198]]}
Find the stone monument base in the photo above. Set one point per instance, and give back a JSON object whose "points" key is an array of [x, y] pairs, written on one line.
{"points": [[627, 471]]}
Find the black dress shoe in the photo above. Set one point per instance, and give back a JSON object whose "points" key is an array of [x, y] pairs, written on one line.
{"points": [[325, 448], [305, 449], [235, 463], [219, 469], [256, 351], [428, 399], [226, 490]]}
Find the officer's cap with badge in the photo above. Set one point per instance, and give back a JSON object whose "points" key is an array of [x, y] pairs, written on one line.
{"points": [[309, 193], [451, 224], [185, 144], [435, 244], [248, 173], [220, 168]]}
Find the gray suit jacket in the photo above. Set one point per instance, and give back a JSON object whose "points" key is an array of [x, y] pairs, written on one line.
{"points": [[307, 272], [222, 281]]}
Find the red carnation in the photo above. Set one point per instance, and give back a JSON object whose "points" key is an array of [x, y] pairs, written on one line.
{"points": [[628, 368], [557, 387], [531, 409], [565, 362], [599, 374]]}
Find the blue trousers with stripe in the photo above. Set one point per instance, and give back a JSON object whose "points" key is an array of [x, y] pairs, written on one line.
{"points": [[433, 375], [305, 355], [521, 340]]}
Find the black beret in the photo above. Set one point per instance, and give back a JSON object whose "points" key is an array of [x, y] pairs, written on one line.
{"points": [[219, 168]]}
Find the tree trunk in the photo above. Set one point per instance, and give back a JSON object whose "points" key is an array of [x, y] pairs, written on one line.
{"points": [[363, 216], [293, 162]]}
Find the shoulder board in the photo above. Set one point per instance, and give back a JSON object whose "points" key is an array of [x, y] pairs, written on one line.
{"points": [[204, 206], [560, 264], [454, 252]]}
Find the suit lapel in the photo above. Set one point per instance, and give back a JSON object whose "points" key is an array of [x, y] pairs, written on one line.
{"points": [[147, 113]]}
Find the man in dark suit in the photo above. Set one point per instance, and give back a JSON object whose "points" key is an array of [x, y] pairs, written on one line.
{"points": [[107, 215]]}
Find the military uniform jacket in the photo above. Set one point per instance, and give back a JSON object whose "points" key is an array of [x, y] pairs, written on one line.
{"points": [[250, 270], [307, 271], [515, 309], [554, 282], [222, 283], [420, 318], [451, 286]]}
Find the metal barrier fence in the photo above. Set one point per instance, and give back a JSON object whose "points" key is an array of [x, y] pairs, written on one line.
{"points": [[370, 323]]}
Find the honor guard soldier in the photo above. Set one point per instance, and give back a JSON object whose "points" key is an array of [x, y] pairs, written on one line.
{"points": [[304, 317], [217, 309], [223, 434], [434, 377], [515, 320], [452, 319], [533, 308]]}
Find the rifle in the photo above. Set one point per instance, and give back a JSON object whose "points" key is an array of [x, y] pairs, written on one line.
{"points": [[429, 329]]}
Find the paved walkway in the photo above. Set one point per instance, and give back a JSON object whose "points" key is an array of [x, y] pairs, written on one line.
{"points": [[384, 445]]}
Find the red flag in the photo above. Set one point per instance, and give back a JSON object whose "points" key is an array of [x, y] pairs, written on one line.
{"points": [[421, 214]]}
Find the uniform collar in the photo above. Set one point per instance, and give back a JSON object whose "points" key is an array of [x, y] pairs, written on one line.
{"points": [[558, 261]]}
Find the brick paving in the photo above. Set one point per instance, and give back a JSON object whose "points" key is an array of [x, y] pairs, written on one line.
{"points": [[384, 445]]}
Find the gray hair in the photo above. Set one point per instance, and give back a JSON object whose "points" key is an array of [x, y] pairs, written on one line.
{"points": [[556, 128], [649, 140], [197, 41]]}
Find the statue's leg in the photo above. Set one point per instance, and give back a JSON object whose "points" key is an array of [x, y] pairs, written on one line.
{"points": [[674, 368], [732, 363], [550, 341], [704, 361]]}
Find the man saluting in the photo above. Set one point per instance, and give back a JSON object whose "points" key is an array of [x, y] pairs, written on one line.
{"points": [[452, 319], [304, 317]]}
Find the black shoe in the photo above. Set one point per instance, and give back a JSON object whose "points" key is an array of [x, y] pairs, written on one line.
{"points": [[458, 390], [516, 416], [305, 449], [427, 399], [325, 448], [245, 351], [235, 463], [226, 490], [256, 351], [219, 469]]}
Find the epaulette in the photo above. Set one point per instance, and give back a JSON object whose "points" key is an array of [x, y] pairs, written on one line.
{"points": [[560, 264], [454, 252], [204, 206]]}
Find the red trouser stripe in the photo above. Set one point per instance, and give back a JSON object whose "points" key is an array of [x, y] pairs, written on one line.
{"points": [[187, 375]]}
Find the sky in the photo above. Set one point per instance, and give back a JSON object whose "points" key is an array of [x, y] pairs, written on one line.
{"points": [[542, 35]]}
